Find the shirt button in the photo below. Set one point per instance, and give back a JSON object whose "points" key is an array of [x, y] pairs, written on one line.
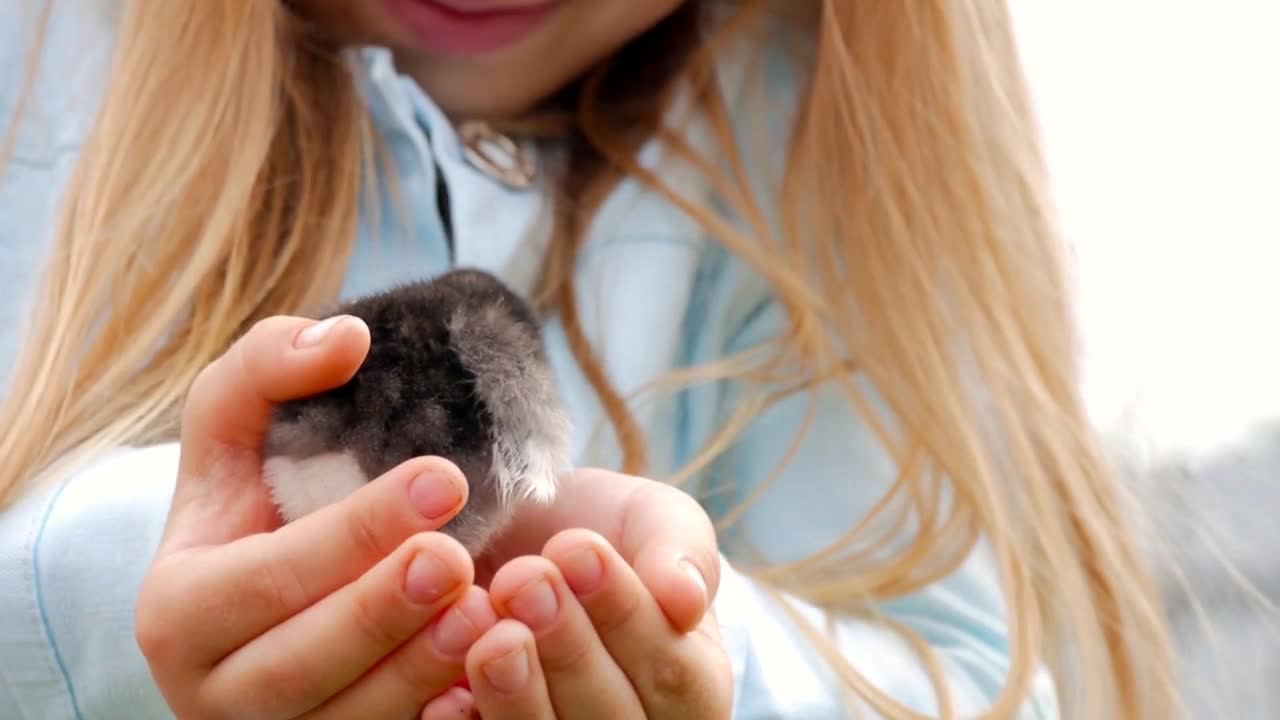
{"points": [[496, 154]]}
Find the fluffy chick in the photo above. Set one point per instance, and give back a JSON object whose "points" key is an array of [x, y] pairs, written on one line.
{"points": [[456, 369]]}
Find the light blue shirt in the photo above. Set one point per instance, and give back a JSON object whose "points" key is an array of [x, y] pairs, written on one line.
{"points": [[656, 293]]}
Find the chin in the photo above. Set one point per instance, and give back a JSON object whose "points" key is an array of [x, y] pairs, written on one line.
{"points": [[477, 89]]}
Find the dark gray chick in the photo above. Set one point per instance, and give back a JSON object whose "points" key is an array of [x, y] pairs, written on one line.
{"points": [[456, 369]]}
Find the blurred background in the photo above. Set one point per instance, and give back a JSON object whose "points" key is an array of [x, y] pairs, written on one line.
{"points": [[1162, 125]]}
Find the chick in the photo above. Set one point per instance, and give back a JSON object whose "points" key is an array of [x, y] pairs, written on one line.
{"points": [[456, 369]]}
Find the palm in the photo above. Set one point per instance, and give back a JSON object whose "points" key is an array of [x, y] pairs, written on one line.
{"points": [[597, 500]]}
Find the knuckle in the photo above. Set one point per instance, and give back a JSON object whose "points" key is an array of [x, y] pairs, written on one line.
{"points": [[280, 586], [619, 612], [211, 704], [363, 531], [203, 381], [419, 667], [671, 677], [152, 620], [233, 359], [275, 688], [569, 653], [256, 350], [373, 621], [263, 329], [207, 384], [690, 678], [153, 638], [281, 685]]}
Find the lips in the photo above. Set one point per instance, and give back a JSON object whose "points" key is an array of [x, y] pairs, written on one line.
{"points": [[464, 7], [462, 27]]}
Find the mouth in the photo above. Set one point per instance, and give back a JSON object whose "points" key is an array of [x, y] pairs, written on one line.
{"points": [[458, 27], [474, 7]]}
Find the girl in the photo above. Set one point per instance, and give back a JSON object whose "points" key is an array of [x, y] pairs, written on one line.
{"points": [[794, 258]]}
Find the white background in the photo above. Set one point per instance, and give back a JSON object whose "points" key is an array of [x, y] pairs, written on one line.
{"points": [[1161, 122]]}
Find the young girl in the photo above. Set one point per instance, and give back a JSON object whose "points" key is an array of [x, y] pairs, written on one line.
{"points": [[794, 258]]}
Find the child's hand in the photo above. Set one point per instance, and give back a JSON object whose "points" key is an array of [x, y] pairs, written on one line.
{"points": [[334, 616], [610, 619]]}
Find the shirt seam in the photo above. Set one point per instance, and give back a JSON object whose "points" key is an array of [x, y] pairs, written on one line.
{"points": [[40, 606]]}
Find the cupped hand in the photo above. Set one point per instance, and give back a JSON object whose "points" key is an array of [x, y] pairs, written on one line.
{"points": [[605, 598], [358, 610]]}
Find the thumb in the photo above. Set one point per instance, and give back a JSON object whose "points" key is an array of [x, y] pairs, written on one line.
{"points": [[671, 542], [219, 495]]}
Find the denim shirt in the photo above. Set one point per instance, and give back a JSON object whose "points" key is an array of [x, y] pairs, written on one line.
{"points": [[656, 295]]}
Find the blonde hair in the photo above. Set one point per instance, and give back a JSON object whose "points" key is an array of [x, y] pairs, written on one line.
{"points": [[914, 243]]}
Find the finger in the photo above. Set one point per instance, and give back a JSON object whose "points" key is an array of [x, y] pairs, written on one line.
{"points": [[421, 671], [505, 677], [278, 359], [456, 704], [650, 524], [229, 408], [246, 587], [299, 664], [671, 543], [583, 680], [709, 628], [674, 674]]}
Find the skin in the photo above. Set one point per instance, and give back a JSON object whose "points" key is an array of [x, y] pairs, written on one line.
{"points": [[506, 82], [328, 617]]}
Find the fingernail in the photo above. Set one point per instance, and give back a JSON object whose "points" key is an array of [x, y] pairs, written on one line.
{"points": [[434, 495], [583, 570], [314, 335], [693, 572], [427, 579], [536, 605], [454, 634], [509, 672]]}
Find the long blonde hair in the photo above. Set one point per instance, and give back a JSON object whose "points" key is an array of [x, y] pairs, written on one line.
{"points": [[914, 242]]}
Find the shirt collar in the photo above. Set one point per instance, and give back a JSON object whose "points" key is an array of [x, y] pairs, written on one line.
{"points": [[507, 242], [396, 103]]}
